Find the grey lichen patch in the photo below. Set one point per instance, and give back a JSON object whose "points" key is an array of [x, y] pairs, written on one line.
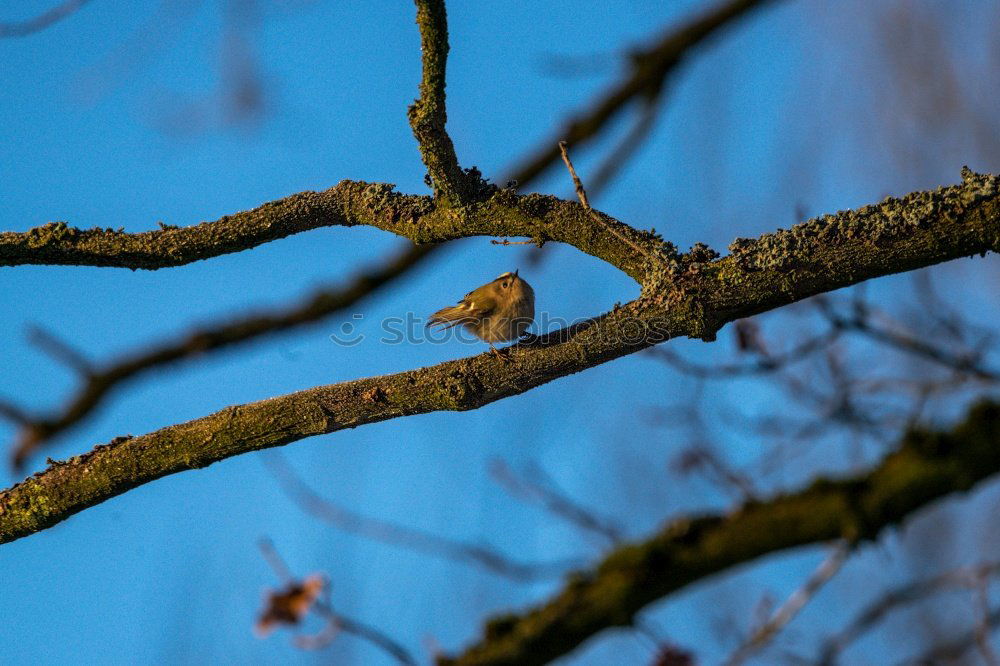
{"points": [[877, 224]]}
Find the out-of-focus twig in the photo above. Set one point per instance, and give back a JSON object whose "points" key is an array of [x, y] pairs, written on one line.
{"points": [[540, 488], [795, 603], [42, 21], [407, 537], [581, 194], [98, 383], [876, 611], [650, 69], [761, 365], [948, 652], [859, 321], [299, 597]]}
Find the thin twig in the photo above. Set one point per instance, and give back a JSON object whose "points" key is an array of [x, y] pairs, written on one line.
{"points": [[762, 365], [581, 193], [42, 21], [335, 621], [543, 492], [100, 382], [788, 610], [982, 632], [876, 611], [650, 67], [635, 138], [951, 651], [59, 350], [407, 537], [272, 557]]}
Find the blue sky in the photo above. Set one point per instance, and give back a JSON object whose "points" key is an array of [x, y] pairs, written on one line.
{"points": [[115, 118]]}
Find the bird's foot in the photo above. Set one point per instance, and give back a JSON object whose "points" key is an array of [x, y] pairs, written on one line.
{"points": [[502, 355]]}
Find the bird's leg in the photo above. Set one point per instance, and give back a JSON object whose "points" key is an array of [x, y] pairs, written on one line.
{"points": [[501, 355]]}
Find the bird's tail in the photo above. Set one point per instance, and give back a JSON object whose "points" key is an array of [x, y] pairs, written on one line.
{"points": [[451, 316]]}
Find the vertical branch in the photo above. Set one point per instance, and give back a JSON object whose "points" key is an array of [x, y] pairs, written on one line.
{"points": [[428, 114]]}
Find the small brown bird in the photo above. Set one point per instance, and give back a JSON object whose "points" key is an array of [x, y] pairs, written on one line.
{"points": [[499, 311]]}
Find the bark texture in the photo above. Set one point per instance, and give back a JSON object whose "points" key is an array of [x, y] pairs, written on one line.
{"points": [[692, 295]]}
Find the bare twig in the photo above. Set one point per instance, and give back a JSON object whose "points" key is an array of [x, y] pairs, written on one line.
{"points": [[42, 21], [795, 603], [577, 184], [274, 559], [948, 652], [650, 68], [621, 154], [859, 322], [99, 383], [761, 365], [405, 537], [61, 351], [336, 622], [876, 611], [540, 489], [581, 193], [982, 631]]}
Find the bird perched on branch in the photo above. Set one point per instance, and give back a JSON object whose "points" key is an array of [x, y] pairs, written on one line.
{"points": [[499, 311]]}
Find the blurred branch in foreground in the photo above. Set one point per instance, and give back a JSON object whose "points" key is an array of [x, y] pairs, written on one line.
{"points": [[42, 21], [927, 466]]}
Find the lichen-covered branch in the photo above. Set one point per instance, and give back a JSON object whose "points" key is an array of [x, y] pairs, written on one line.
{"points": [[927, 466], [97, 383], [694, 298], [650, 69], [347, 204]]}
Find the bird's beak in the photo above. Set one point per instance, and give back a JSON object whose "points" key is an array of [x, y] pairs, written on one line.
{"points": [[515, 271]]}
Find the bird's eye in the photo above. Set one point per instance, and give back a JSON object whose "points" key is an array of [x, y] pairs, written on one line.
{"points": [[503, 284]]}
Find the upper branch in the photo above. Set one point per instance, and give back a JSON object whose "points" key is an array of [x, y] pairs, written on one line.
{"points": [[926, 467], [921, 229], [650, 69], [347, 204], [428, 114]]}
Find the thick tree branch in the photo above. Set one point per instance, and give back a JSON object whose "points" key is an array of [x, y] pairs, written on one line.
{"points": [[694, 299], [98, 383], [347, 204], [927, 466], [650, 69]]}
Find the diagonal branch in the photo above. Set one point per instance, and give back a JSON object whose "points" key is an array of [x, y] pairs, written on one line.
{"points": [[402, 536], [650, 69], [920, 229], [42, 21], [926, 467], [97, 384]]}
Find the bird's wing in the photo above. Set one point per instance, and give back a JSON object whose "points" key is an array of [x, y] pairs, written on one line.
{"points": [[475, 306]]}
